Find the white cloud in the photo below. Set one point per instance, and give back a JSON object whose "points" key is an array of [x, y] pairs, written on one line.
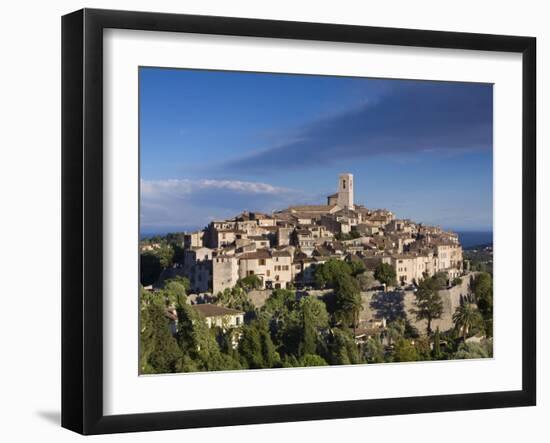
{"points": [[186, 186], [190, 204]]}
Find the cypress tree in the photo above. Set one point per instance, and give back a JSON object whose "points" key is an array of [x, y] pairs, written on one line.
{"points": [[437, 344]]}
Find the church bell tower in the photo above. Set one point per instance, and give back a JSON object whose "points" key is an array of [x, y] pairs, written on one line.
{"points": [[345, 191]]}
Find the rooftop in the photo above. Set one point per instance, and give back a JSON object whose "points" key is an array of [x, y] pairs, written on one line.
{"points": [[280, 254], [208, 310], [260, 253], [312, 208]]}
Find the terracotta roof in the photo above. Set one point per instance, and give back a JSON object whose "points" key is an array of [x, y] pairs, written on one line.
{"points": [[260, 253], [322, 250], [366, 224], [315, 208], [305, 214], [280, 254], [257, 237], [346, 211], [208, 310], [362, 209], [379, 218], [361, 332]]}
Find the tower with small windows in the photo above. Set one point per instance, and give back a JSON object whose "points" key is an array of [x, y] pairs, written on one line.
{"points": [[345, 190]]}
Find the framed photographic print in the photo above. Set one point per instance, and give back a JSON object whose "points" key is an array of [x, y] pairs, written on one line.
{"points": [[269, 221]]}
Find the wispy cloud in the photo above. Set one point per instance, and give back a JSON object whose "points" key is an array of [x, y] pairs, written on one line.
{"points": [[429, 117], [190, 204]]}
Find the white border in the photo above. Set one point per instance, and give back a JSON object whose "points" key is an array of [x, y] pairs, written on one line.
{"points": [[125, 392]]}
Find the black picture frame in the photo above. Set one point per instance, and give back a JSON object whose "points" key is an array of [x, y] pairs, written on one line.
{"points": [[82, 218]]}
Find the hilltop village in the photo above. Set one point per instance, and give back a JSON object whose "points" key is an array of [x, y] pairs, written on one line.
{"points": [[283, 248], [312, 285]]}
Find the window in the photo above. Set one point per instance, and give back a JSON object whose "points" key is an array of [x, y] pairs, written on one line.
{"points": [[262, 261], [343, 184], [268, 273]]}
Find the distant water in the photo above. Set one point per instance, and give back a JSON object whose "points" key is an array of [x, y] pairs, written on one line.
{"points": [[145, 235], [475, 238]]}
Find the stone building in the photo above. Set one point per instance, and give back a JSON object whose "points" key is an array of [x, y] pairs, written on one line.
{"points": [[219, 316], [193, 240], [197, 267], [284, 248], [225, 272]]}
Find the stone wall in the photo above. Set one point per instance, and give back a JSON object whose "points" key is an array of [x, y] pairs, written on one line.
{"points": [[396, 303], [393, 304], [259, 297]]}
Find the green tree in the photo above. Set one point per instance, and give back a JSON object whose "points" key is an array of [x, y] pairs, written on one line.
{"points": [[348, 302], [158, 350], [404, 351], [374, 350], [457, 281], [439, 280], [327, 273], [199, 344], [312, 360], [365, 281], [396, 330], [295, 325], [175, 290], [280, 313], [314, 318], [165, 254], [428, 302], [385, 274], [342, 348], [193, 333], [256, 347], [235, 298], [357, 267], [466, 317], [279, 303], [482, 287], [250, 282], [423, 349], [437, 345], [149, 268], [483, 349]]}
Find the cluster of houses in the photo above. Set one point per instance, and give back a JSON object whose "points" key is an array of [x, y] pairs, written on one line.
{"points": [[283, 248]]}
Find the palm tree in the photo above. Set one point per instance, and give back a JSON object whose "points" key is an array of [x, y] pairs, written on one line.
{"points": [[466, 317]]}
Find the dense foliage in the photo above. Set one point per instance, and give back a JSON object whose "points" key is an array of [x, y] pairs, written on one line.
{"points": [[385, 274], [294, 329]]}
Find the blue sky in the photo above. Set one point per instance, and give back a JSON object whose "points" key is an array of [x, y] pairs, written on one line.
{"points": [[214, 143]]}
